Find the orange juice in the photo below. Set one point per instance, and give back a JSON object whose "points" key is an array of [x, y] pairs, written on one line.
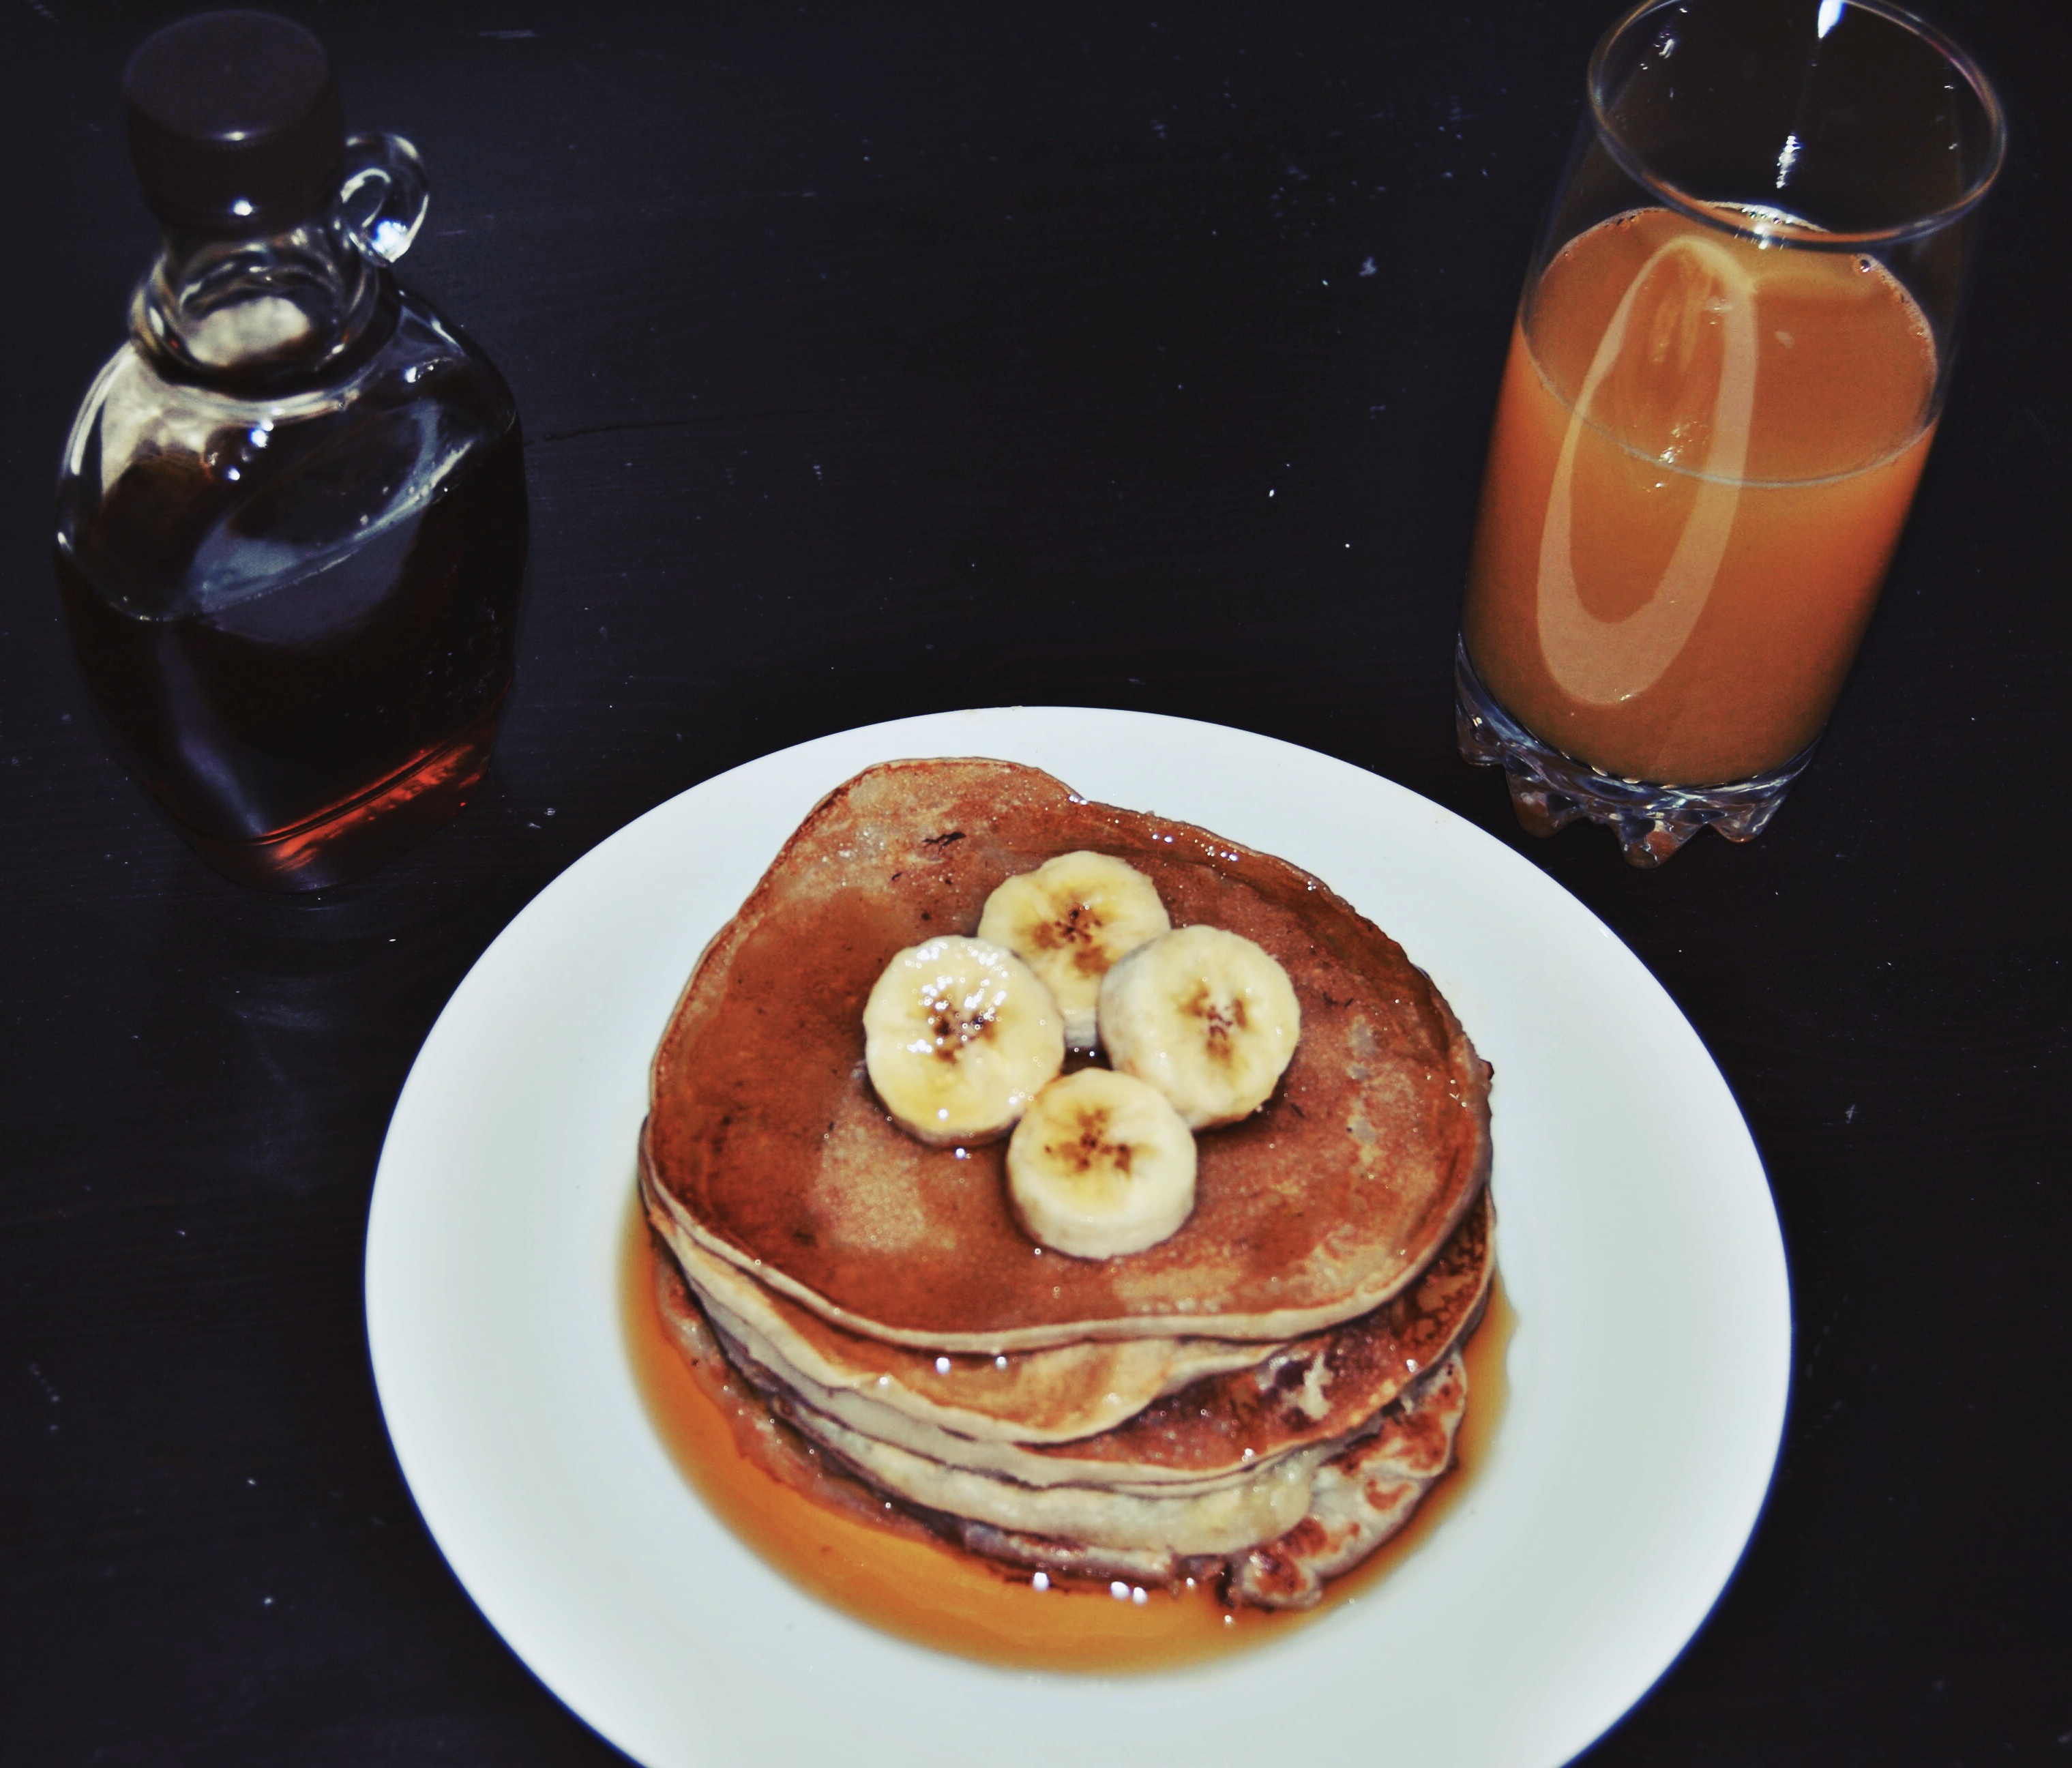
{"points": [[1703, 450]]}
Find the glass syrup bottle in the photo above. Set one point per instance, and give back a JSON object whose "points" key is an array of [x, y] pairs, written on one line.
{"points": [[291, 514]]}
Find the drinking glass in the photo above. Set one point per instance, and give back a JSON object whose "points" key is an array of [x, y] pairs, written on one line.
{"points": [[1724, 379]]}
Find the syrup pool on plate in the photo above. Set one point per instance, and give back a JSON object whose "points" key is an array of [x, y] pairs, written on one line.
{"points": [[848, 1546]]}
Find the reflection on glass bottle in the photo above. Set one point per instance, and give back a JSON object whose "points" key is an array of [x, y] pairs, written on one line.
{"points": [[291, 519]]}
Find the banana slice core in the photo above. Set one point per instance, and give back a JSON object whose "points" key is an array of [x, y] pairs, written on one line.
{"points": [[1100, 1166], [1207, 1016], [959, 1035], [1069, 920]]}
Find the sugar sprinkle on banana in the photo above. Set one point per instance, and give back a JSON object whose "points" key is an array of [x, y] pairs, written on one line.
{"points": [[959, 1036], [1070, 919]]}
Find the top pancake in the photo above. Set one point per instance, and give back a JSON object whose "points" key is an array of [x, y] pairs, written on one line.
{"points": [[767, 1138]]}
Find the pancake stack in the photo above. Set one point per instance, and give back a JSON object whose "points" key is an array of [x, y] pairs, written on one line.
{"points": [[1261, 1399]]}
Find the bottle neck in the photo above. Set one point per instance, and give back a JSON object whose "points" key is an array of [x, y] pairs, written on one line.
{"points": [[265, 310]]}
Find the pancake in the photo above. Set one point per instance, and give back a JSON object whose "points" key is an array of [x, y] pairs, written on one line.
{"points": [[1307, 1519], [1229, 1517], [1224, 1431], [1222, 1426], [1057, 1394], [767, 1148], [1358, 1498]]}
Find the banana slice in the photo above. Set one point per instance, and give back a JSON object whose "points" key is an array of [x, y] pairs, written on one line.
{"points": [[959, 1035], [1101, 1165], [1068, 921], [1205, 1016]]}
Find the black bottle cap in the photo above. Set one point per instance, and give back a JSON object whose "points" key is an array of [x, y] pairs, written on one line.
{"points": [[234, 123]]}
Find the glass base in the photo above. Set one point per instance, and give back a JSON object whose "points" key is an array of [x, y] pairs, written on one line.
{"points": [[1549, 790]]}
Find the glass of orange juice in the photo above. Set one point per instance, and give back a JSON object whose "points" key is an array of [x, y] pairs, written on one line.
{"points": [[1723, 381]]}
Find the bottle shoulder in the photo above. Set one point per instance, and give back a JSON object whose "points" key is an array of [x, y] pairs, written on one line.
{"points": [[172, 487], [135, 405]]}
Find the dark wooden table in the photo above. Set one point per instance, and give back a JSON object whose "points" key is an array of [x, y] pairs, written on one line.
{"points": [[875, 361]]}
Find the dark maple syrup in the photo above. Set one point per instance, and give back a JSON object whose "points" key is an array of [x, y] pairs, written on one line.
{"points": [[303, 732], [848, 1546]]}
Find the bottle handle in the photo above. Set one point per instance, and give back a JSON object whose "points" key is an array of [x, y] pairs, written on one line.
{"points": [[382, 201]]}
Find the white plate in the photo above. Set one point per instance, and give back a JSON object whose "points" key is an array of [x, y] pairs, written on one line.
{"points": [[1638, 1245]]}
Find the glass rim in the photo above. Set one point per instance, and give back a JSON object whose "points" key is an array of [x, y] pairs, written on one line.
{"points": [[1767, 231]]}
